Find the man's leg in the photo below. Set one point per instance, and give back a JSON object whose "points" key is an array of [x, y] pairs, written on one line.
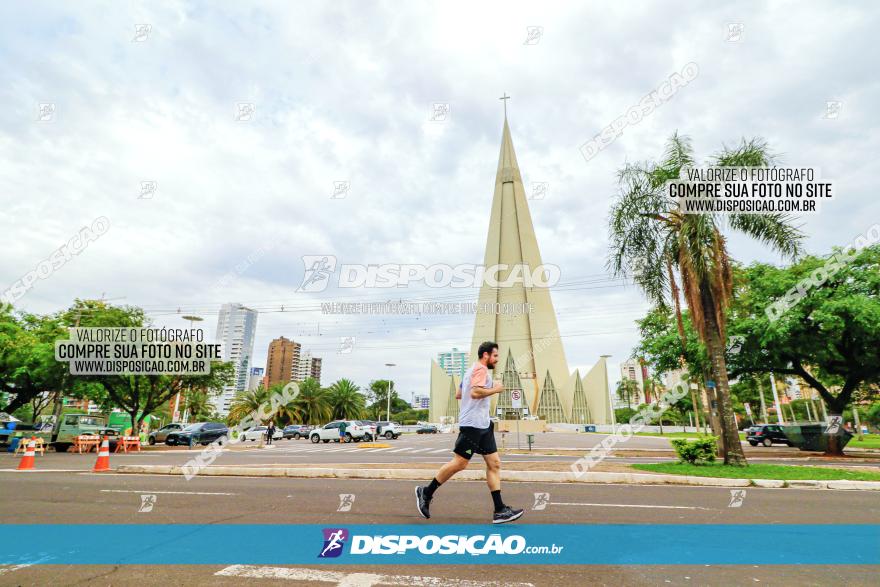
{"points": [[503, 513], [458, 463], [426, 493]]}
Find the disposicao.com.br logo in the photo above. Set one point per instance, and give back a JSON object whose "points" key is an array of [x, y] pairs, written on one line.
{"points": [[454, 544], [320, 269]]}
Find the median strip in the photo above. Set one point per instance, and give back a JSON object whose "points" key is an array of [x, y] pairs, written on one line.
{"points": [[479, 475]]}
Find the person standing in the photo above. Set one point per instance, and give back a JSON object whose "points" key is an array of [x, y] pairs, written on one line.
{"points": [[476, 435], [270, 431], [343, 426]]}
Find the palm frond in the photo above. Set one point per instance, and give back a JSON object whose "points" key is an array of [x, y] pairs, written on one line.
{"points": [[775, 230]]}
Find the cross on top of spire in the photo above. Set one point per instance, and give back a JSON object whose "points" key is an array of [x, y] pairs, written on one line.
{"points": [[505, 98]]}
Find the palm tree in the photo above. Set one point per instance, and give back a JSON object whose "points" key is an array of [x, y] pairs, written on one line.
{"points": [[626, 389], [245, 403], [285, 413], [312, 402], [653, 241], [346, 400]]}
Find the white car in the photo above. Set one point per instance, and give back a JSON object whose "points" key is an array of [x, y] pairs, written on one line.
{"points": [[353, 432], [259, 432]]}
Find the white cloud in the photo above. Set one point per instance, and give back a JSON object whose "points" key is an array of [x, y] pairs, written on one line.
{"points": [[343, 91]]}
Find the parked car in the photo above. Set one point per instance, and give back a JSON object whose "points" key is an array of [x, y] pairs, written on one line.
{"points": [[388, 429], [297, 431], [353, 432], [259, 433], [767, 434], [199, 433], [162, 433], [426, 429], [369, 429]]}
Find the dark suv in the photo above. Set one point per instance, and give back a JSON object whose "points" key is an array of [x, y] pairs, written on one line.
{"points": [[297, 431], [767, 434], [199, 433]]}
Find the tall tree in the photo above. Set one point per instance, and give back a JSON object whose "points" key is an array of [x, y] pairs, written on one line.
{"points": [[627, 389], [312, 402], [659, 246], [346, 400], [828, 337]]}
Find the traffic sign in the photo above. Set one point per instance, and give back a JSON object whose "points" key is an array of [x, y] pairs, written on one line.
{"points": [[516, 398]]}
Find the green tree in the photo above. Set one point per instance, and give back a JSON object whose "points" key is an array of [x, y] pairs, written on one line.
{"points": [[627, 389], [246, 402], [653, 241], [829, 337], [377, 398], [28, 368], [312, 403], [346, 400]]}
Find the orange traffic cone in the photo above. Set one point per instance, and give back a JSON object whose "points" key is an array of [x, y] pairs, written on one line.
{"points": [[27, 461], [103, 462]]}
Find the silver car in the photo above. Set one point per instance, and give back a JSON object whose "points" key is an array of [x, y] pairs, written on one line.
{"points": [[162, 433]]}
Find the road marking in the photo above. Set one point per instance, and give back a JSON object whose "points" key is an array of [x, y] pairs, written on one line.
{"points": [[439, 450], [630, 505], [13, 568], [402, 449], [166, 492], [353, 579]]}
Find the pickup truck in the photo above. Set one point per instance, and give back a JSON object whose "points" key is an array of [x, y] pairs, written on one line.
{"points": [[61, 438]]}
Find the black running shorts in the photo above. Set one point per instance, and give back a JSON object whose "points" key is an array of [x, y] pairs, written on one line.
{"points": [[473, 441]]}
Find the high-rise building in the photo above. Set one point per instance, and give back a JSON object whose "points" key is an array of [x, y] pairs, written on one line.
{"points": [[316, 369], [531, 356], [256, 379], [421, 401], [633, 370], [236, 330], [282, 361], [454, 362]]}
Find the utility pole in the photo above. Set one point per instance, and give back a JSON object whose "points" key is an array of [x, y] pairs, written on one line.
{"points": [[763, 404], [779, 415], [390, 391], [857, 422]]}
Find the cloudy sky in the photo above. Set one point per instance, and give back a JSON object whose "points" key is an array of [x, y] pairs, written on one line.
{"points": [[100, 98]]}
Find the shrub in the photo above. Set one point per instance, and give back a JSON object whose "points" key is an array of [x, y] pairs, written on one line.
{"points": [[695, 452]]}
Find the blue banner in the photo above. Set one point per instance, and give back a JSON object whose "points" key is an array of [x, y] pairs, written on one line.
{"points": [[523, 544]]}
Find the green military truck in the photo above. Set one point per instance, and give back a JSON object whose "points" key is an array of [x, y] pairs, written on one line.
{"points": [[60, 436]]}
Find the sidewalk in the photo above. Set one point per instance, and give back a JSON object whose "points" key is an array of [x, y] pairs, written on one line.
{"points": [[413, 473]]}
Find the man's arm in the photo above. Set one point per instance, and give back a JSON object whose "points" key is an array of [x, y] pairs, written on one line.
{"points": [[481, 392]]}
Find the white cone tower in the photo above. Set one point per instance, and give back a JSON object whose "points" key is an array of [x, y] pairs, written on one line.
{"points": [[529, 342]]}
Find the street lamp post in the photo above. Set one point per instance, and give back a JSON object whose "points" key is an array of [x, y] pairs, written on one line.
{"points": [[390, 390], [190, 319], [610, 396]]}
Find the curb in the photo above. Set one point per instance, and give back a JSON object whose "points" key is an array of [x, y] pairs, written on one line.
{"points": [[521, 476]]}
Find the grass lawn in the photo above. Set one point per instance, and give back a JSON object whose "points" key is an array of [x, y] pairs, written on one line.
{"points": [[760, 471], [870, 441]]}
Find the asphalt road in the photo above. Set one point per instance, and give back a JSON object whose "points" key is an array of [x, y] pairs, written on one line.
{"points": [[76, 498], [411, 448]]}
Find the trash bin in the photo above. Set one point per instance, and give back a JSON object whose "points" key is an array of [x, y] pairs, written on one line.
{"points": [[814, 437], [13, 444]]}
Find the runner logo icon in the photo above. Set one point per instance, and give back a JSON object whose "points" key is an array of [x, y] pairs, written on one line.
{"points": [[334, 541]]}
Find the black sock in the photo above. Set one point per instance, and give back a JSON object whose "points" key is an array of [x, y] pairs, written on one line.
{"points": [[496, 497], [431, 488]]}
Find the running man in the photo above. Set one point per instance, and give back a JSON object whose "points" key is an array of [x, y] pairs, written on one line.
{"points": [[476, 435]]}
